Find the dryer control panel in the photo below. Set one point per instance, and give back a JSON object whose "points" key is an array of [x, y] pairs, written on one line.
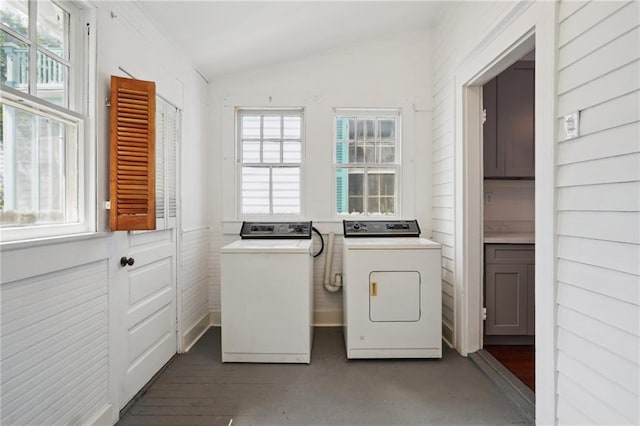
{"points": [[275, 230], [381, 228]]}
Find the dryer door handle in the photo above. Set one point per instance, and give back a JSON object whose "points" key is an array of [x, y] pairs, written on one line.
{"points": [[374, 289]]}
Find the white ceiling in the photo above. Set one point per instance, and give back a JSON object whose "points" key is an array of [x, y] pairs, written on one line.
{"points": [[223, 37]]}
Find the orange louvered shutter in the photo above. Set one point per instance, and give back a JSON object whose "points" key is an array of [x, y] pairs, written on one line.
{"points": [[133, 110]]}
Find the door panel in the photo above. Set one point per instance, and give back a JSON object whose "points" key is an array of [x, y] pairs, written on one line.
{"points": [[149, 306], [394, 296]]}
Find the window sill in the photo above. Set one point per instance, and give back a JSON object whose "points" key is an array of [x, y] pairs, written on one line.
{"points": [[39, 242]]}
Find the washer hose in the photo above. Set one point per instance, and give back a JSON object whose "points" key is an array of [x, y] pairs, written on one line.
{"points": [[314, 229]]}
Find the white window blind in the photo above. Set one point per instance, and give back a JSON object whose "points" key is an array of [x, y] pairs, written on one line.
{"points": [[167, 142], [270, 160]]}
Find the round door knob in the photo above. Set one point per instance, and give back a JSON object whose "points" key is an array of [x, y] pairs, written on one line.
{"points": [[124, 261]]}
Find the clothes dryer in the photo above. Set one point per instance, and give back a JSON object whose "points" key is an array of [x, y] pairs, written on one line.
{"points": [[392, 291]]}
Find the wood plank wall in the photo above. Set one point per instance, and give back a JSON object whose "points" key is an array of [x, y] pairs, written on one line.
{"points": [[461, 27], [54, 334], [598, 188]]}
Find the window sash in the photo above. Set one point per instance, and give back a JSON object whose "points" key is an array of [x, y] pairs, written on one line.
{"points": [[82, 222], [292, 159], [368, 168]]}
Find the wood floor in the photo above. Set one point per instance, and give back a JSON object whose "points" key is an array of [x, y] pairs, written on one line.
{"points": [[197, 389], [520, 360]]}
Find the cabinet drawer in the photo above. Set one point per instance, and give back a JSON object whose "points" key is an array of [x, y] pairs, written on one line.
{"points": [[510, 253]]}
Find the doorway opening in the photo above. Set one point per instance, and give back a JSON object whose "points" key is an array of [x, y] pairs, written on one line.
{"points": [[508, 218]]}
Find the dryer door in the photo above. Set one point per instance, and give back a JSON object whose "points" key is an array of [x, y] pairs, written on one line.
{"points": [[394, 296]]}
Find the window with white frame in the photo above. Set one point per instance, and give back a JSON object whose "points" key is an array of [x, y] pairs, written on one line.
{"points": [[166, 150], [270, 145], [367, 161], [43, 157]]}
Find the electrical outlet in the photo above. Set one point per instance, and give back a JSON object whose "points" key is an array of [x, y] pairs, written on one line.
{"points": [[488, 197]]}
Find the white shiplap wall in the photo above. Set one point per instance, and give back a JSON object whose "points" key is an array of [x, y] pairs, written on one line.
{"points": [[194, 276], [54, 336], [461, 27], [598, 188]]}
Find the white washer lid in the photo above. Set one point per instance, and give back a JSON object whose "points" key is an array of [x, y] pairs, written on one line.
{"points": [[396, 243], [268, 246]]}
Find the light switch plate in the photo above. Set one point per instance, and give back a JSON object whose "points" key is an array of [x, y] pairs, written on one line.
{"points": [[572, 125]]}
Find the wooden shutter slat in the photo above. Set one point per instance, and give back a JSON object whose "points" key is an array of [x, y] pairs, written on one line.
{"points": [[133, 111]]}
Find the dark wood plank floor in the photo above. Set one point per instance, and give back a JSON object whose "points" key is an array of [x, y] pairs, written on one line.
{"points": [[519, 359], [197, 389]]}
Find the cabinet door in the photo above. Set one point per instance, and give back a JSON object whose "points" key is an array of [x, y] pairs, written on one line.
{"points": [[506, 299], [516, 118], [493, 153]]}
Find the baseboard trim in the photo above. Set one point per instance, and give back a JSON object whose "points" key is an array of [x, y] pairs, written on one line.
{"points": [[192, 336], [327, 318], [102, 417], [517, 392], [215, 318]]}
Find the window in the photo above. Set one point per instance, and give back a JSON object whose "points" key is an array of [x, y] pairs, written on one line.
{"points": [[167, 141], [270, 147], [43, 157], [367, 162]]}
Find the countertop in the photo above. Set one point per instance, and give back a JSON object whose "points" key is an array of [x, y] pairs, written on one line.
{"points": [[509, 238]]}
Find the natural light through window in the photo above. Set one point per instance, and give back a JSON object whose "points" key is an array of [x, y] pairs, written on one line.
{"points": [[270, 146], [42, 139], [367, 162]]}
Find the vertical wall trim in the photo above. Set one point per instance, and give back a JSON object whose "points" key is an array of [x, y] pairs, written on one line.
{"points": [[535, 26]]}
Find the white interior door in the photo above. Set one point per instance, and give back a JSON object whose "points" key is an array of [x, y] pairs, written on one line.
{"points": [[148, 298], [148, 286]]}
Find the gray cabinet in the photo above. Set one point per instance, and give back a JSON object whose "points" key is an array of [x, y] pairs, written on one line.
{"points": [[510, 289], [508, 132]]}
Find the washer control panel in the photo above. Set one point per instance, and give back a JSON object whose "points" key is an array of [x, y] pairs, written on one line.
{"points": [[381, 228], [275, 230]]}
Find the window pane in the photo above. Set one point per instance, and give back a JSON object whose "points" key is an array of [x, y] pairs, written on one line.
{"points": [[292, 127], [271, 127], [356, 205], [369, 152], [250, 151], [291, 152], [14, 63], [39, 165], [387, 153], [373, 184], [373, 205], [387, 205], [270, 152], [351, 127], [388, 186], [255, 190], [251, 127], [386, 129], [286, 190], [15, 15], [356, 179], [53, 23], [52, 80]]}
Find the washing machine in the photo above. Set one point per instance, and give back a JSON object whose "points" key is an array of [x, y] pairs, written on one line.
{"points": [[392, 291], [267, 294]]}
